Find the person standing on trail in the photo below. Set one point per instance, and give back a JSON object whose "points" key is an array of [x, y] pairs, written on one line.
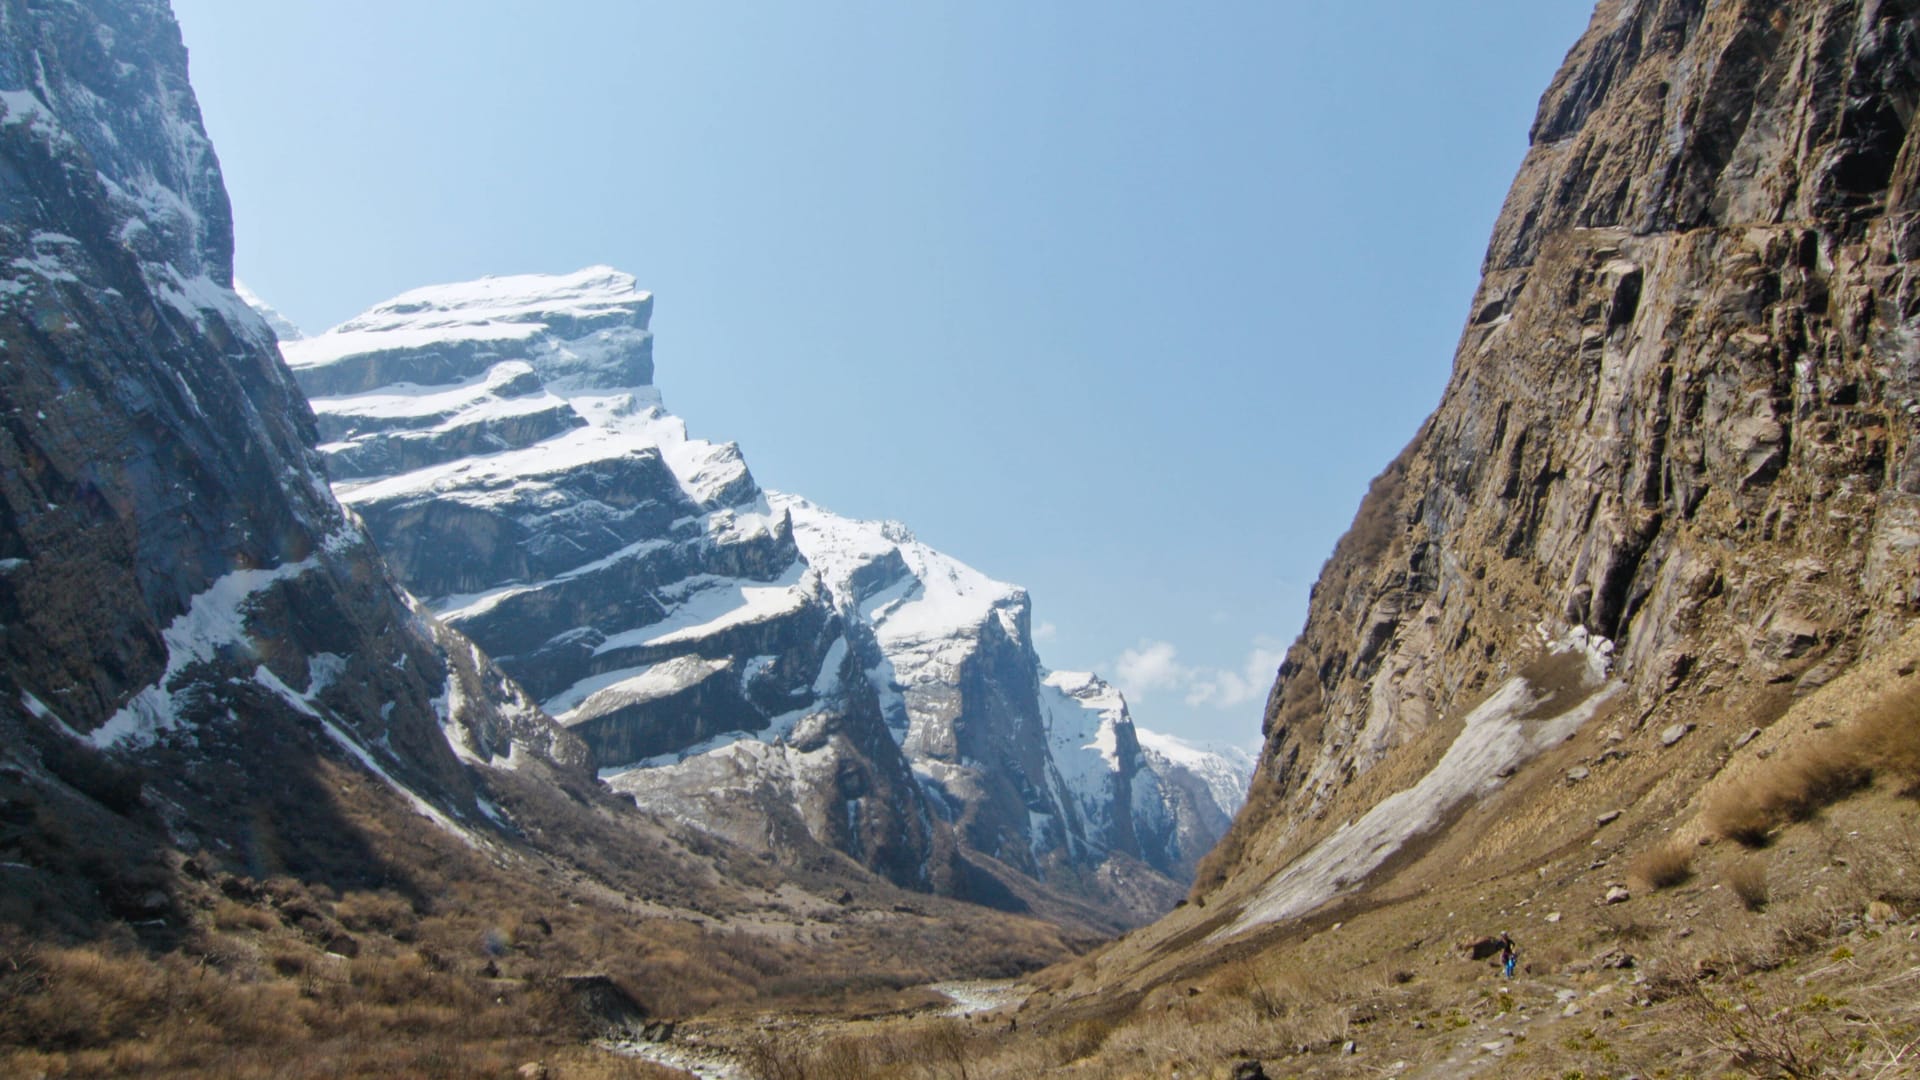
{"points": [[1509, 952]]}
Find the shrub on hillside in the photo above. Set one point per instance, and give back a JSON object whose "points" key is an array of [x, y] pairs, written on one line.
{"points": [[1789, 788], [1748, 880], [1663, 867], [1888, 733]]}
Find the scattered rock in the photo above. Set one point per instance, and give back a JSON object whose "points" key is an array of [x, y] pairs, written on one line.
{"points": [[1752, 734], [1578, 773], [532, 1070], [1882, 912], [1553, 916], [1350, 1047], [1618, 894], [1249, 1070], [1607, 818], [1674, 734], [1614, 960]]}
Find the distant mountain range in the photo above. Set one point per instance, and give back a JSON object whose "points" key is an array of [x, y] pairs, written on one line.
{"points": [[743, 659]]}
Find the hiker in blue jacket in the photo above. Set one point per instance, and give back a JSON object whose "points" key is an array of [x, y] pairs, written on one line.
{"points": [[1509, 952]]}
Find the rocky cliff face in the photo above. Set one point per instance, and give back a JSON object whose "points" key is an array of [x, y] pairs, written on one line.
{"points": [[504, 441], [1679, 436], [1041, 770], [177, 585], [757, 664]]}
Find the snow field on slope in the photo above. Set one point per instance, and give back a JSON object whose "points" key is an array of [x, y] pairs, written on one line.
{"points": [[510, 308], [214, 618], [601, 694], [613, 432], [1494, 740], [709, 605]]}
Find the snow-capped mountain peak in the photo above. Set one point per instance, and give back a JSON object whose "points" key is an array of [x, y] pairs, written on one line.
{"points": [[742, 658], [283, 328], [535, 300]]}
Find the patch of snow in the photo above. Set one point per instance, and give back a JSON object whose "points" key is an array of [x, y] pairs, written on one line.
{"points": [[305, 704], [715, 605], [943, 596], [970, 998], [282, 327], [39, 709], [613, 690], [1495, 739], [198, 295], [214, 618]]}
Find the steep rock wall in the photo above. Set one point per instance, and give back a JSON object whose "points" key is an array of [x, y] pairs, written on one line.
{"points": [[1681, 416], [177, 587]]}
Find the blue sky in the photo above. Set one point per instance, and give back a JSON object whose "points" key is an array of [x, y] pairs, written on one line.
{"points": [[1123, 302]]}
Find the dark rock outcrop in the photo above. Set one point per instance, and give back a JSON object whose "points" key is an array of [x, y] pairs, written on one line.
{"points": [[178, 588], [503, 440]]}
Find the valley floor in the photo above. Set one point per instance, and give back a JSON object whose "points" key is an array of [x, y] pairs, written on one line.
{"points": [[1684, 981]]}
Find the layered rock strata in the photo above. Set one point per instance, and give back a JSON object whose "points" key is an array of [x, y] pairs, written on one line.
{"points": [[753, 663]]}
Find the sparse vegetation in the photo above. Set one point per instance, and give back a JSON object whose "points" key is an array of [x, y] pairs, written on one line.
{"points": [[457, 968]]}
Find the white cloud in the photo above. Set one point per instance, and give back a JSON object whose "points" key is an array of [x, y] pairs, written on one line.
{"points": [[1253, 680], [1149, 667], [1155, 665], [1046, 631]]}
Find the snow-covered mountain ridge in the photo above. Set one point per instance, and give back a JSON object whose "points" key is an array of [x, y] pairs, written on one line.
{"points": [[745, 660]]}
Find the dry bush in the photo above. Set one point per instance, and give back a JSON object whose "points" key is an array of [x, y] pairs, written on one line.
{"points": [[1789, 788], [1748, 880], [1664, 866], [1766, 1034], [383, 912], [1888, 734]]}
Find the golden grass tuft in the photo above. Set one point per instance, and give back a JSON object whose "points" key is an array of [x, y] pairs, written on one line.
{"points": [[1748, 881], [1883, 739], [1792, 787], [1888, 733], [1663, 867]]}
